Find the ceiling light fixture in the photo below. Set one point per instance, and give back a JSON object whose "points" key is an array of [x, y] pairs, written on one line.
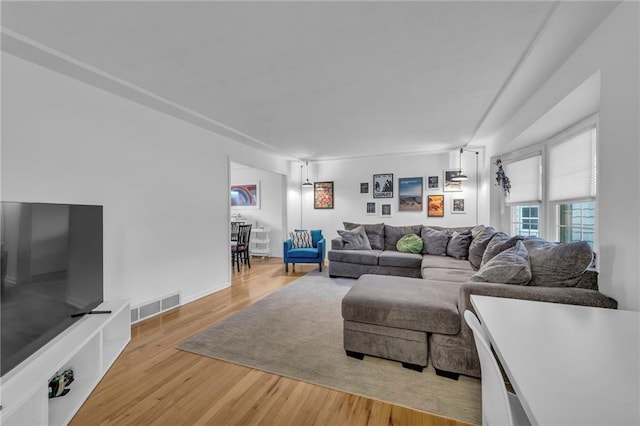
{"points": [[307, 183], [460, 177]]}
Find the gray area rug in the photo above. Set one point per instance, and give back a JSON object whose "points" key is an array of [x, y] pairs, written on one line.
{"points": [[297, 332]]}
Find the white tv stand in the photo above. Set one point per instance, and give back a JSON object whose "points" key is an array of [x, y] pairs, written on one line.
{"points": [[89, 346]]}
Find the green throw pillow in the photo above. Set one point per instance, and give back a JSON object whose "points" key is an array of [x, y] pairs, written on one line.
{"points": [[410, 243]]}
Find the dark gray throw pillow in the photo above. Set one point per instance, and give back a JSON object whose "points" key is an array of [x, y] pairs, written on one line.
{"points": [[458, 246], [509, 267], [392, 234], [435, 241], [499, 243], [557, 264], [478, 246], [375, 233], [355, 239]]}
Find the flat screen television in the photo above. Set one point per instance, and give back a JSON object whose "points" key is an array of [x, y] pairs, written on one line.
{"points": [[52, 270]]}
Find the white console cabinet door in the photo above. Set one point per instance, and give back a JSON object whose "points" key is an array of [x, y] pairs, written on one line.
{"points": [[90, 346]]}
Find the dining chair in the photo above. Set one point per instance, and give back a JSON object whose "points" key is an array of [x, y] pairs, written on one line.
{"points": [[499, 406], [234, 230], [240, 251]]}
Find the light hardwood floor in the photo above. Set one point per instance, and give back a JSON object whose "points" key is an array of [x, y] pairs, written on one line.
{"points": [[153, 383]]}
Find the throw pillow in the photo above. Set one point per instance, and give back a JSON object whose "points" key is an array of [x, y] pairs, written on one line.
{"points": [[393, 233], [435, 241], [499, 243], [375, 233], [478, 246], [509, 267], [300, 239], [557, 264], [410, 243], [458, 246], [356, 239]]}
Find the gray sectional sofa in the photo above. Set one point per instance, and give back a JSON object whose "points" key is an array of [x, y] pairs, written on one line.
{"points": [[409, 307]]}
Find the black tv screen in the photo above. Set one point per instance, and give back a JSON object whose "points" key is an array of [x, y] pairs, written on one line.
{"points": [[51, 271]]}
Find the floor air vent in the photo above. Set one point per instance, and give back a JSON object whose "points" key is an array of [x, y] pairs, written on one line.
{"points": [[154, 307]]}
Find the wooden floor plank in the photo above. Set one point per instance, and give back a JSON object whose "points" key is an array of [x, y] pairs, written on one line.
{"points": [[153, 383]]}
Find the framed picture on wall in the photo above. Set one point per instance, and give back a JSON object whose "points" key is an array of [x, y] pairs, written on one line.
{"points": [[364, 187], [323, 195], [385, 210], [371, 208], [433, 182], [457, 205], [450, 185], [383, 185], [410, 194], [245, 196], [435, 205]]}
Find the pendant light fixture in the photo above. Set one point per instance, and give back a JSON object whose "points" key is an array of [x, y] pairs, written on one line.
{"points": [[460, 177], [307, 183]]}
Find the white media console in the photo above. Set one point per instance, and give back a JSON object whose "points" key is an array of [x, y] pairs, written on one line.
{"points": [[89, 346]]}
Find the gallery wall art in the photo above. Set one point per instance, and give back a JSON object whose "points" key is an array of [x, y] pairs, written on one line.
{"points": [[435, 205], [323, 195], [410, 194], [383, 185], [451, 185], [245, 196]]}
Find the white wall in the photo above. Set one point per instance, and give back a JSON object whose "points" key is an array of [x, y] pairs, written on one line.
{"points": [[614, 50], [272, 202], [164, 183], [350, 205]]}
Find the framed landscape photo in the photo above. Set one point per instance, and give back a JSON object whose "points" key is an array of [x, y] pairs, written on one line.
{"points": [[245, 196], [364, 187], [457, 205], [450, 185], [435, 205], [371, 208], [385, 211], [410, 194], [383, 185], [323, 195]]}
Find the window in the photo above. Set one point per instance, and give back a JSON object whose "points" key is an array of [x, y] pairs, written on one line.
{"points": [[577, 222], [525, 220], [525, 175]]}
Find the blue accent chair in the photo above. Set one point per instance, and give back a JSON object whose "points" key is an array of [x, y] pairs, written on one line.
{"points": [[313, 254]]}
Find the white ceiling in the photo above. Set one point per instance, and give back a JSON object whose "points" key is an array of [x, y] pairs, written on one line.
{"points": [[313, 80]]}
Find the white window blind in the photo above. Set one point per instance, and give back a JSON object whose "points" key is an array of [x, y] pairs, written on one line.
{"points": [[572, 168], [525, 177]]}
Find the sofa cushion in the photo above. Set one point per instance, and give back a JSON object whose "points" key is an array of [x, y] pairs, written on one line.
{"points": [[435, 241], [509, 267], [405, 303], [447, 275], [478, 246], [301, 239], [302, 253], [396, 258], [355, 239], [445, 262], [410, 243], [557, 264], [499, 243], [458, 246], [363, 257], [393, 233], [375, 233]]}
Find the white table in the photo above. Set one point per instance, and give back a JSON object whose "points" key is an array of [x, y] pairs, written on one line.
{"points": [[569, 365]]}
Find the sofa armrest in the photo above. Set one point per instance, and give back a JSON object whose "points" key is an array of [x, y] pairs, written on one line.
{"points": [[337, 244], [566, 295], [321, 248], [286, 247]]}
